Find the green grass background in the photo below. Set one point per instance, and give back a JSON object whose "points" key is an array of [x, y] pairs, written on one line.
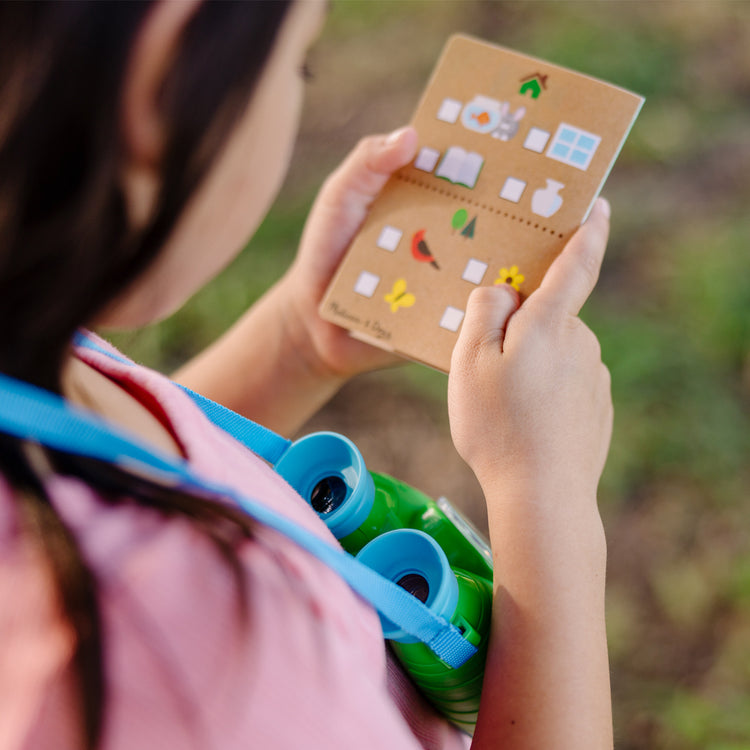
{"points": [[672, 310]]}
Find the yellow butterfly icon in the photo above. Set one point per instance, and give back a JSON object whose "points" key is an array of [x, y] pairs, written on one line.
{"points": [[399, 297]]}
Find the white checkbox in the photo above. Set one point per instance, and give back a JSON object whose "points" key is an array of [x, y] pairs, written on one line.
{"points": [[474, 271], [427, 159], [452, 318], [366, 284], [536, 140], [449, 110], [513, 189], [389, 238]]}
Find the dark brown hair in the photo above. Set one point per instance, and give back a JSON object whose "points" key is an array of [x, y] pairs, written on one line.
{"points": [[66, 249]]}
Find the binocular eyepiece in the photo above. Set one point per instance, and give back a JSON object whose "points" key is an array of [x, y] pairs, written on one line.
{"points": [[426, 548], [416, 562], [329, 472], [328, 494]]}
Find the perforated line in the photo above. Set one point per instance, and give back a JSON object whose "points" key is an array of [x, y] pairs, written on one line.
{"points": [[477, 204]]}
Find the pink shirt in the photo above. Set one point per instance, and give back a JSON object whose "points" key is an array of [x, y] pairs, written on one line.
{"points": [[308, 669]]}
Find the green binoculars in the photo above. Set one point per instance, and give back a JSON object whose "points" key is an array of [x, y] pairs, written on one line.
{"points": [[424, 546]]}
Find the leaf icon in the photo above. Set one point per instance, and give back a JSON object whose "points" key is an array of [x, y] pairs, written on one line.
{"points": [[459, 218]]}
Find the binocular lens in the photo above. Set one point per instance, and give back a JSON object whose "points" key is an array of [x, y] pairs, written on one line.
{"points": [[328, 494], [416, 585]]}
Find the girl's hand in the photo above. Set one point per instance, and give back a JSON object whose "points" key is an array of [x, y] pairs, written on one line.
{"points": [[336, 216], [529, 398], [531, 413]]}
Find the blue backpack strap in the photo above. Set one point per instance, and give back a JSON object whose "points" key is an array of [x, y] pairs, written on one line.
{"points": [[81, 339], [260, 440], [33, 414]]}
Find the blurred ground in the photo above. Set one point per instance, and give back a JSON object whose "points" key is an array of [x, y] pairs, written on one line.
{"points": [[672, 311]]}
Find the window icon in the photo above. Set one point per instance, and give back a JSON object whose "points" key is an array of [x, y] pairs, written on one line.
{"points": [[573, 146]]}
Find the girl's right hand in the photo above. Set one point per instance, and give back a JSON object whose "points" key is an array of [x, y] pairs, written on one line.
{"points": [[529, 398]]}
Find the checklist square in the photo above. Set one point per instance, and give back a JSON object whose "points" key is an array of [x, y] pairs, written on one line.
{"points": [[389, 238], [513, 189], [366, 284], [452, 318], [474, 271], [536, 140], [449, 110], [427, 159]]}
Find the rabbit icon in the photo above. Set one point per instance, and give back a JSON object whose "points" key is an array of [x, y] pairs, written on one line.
{"points": [[509, 122]]}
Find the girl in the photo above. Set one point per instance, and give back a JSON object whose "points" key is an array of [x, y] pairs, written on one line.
{"points": [[140, 144]]}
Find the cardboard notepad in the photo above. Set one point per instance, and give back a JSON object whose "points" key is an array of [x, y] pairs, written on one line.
{"points": [[512, 153]]}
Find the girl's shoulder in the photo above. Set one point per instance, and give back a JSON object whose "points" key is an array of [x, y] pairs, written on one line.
{"points": [[297, 661]]}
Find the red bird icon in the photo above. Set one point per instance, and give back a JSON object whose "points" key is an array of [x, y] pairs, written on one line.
{"points": [[420, 251]]}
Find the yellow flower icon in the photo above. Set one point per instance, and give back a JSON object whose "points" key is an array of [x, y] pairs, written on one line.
{"points": [[510, 276]]}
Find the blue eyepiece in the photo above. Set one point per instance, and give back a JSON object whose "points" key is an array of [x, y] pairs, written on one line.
{"points": [[416, 562], [329, 472]]}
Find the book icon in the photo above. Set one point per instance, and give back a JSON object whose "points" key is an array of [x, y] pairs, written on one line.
{"points": [[460, 166]]}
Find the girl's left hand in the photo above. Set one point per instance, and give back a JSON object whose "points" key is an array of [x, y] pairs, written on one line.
{"points": [[335, 218]]}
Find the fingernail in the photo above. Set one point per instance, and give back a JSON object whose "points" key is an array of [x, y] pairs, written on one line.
{"points": [[605, 208], [394, 136]]}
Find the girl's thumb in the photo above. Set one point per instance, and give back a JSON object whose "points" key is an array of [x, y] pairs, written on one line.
{"points": [[487, 313]]}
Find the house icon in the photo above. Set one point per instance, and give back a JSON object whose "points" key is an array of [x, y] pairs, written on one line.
{"points": [[533, 84]]}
